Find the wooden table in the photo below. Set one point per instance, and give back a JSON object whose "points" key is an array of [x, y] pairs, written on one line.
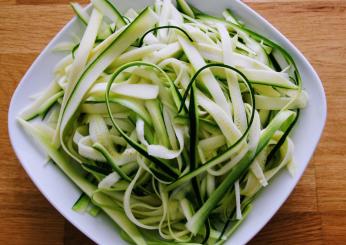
{"points": [[314, 214]]}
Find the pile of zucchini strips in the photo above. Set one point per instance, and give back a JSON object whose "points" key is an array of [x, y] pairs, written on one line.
{"points": [[169, 120]]}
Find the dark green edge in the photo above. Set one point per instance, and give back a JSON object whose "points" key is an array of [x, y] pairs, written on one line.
{"points": [[140, 43]]}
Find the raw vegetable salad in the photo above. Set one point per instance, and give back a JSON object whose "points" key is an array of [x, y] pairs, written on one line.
{"points": [[168, 119]]}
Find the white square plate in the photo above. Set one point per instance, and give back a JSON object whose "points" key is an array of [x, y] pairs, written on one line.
{"points": [[62, 193]]}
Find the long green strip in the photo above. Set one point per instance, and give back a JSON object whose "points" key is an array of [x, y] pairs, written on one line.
{"points": [[194, 129]]}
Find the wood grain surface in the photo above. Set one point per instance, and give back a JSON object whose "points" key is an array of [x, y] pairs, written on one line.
{"points": [[316, 211]]}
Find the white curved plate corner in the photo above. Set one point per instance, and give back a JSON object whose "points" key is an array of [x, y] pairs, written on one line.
{"points": [[61, 192]]}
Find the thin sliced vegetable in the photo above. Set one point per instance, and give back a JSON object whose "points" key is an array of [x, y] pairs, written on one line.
{"points": [[108, 9]]}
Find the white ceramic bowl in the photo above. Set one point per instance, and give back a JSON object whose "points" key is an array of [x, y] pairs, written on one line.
{"points": [[62, 193]]}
